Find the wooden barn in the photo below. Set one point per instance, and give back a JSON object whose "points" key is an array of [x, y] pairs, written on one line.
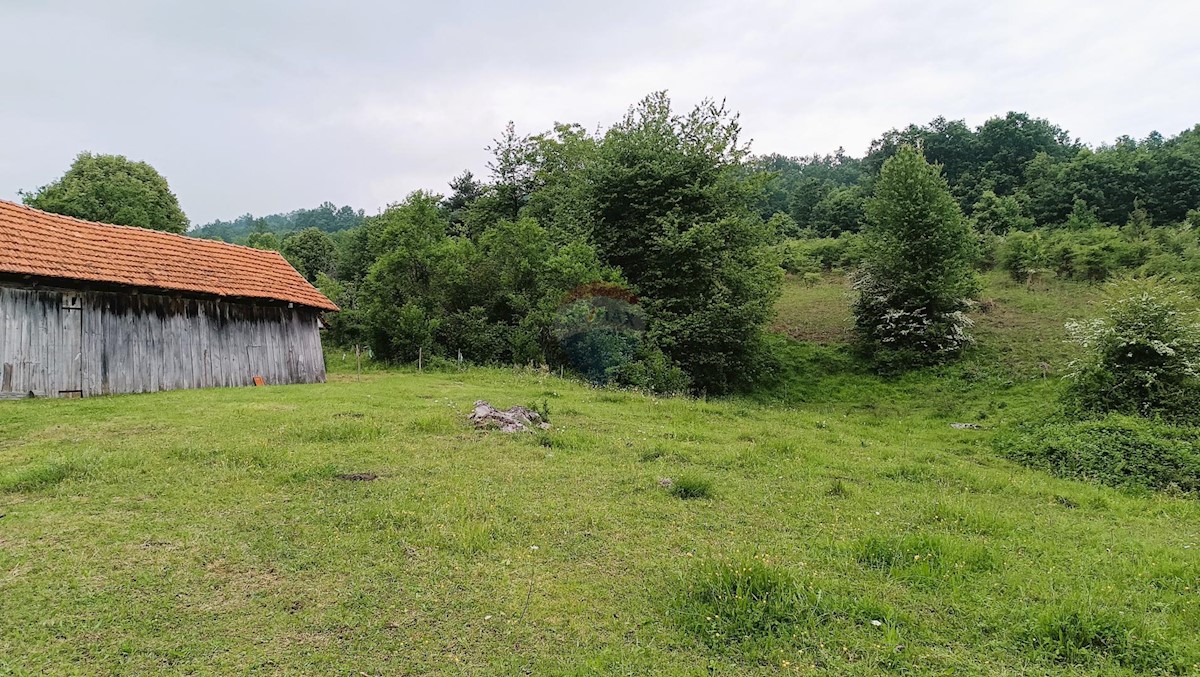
{"points": [[94, 309]]}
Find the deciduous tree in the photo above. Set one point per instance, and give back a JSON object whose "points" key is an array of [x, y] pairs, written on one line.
{"points": [[112, 189]]}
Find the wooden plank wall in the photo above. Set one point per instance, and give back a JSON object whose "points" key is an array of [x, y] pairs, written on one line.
{"points": [[136, 343], [30, 343]]}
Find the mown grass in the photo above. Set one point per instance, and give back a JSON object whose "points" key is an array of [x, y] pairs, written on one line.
{"points": [[848, 529]]}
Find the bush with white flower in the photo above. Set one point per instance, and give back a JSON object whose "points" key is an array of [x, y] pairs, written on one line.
{"points": [[896, 322], [1143, 357]]}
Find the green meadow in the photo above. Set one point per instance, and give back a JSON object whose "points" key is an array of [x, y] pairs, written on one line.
{"points": [[834, 522]]}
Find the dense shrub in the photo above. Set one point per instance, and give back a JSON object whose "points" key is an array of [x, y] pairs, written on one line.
{"points": [[1096, 254], [909, 336], [347, 327], [650, 370], [494, 300], [479, 339], [403, 333], [987, 250], [822, 254], [839, 211], [1143, 358], [997, 215], [1175, 253], [666, 201], [794, 258], [1022, 255], [1116, 450], [601, 333], [1099, 254]]}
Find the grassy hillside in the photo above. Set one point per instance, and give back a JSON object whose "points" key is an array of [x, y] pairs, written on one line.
{"points": [[1018, 327], [208, 531]]}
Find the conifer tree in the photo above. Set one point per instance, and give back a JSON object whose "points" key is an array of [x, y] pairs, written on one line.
{"points": [[918, 280]]}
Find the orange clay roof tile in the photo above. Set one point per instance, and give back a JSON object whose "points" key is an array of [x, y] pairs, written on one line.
{"points": [[33, 242]]}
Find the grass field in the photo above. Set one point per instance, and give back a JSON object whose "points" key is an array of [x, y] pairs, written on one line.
{"points": [[209, 532]]}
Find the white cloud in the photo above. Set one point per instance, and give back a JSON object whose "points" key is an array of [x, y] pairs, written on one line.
{"points": [[270, 105]]}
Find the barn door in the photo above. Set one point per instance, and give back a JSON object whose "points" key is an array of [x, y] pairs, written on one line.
{"points": [[71, 347]]}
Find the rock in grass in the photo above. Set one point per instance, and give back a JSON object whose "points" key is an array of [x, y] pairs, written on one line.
{"points": [[513, 420]]}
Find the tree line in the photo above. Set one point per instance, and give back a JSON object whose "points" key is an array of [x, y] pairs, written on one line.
{"points": [[1014, 172], [650, 253], [266, 232]]}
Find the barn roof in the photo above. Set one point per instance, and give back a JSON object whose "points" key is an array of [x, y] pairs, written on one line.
{"points": [[33, 242]]}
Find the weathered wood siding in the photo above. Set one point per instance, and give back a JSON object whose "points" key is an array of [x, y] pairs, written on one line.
{"points": [[83, 343]]}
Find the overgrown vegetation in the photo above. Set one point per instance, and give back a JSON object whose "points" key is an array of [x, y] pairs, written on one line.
{"points": [[673, 215], [1132, 397], [1116, 450], [630, 256]]}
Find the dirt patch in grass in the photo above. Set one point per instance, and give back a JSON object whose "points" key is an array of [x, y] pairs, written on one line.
{"points": [[357, 476]]}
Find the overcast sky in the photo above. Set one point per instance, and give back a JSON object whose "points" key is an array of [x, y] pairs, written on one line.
{"points": [[264, 106]]}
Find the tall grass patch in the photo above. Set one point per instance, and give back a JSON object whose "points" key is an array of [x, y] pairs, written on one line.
{"points": [[692, 485], [337, 431], [1077, 633], [928, 558], [745, 602], [38, 476]]}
